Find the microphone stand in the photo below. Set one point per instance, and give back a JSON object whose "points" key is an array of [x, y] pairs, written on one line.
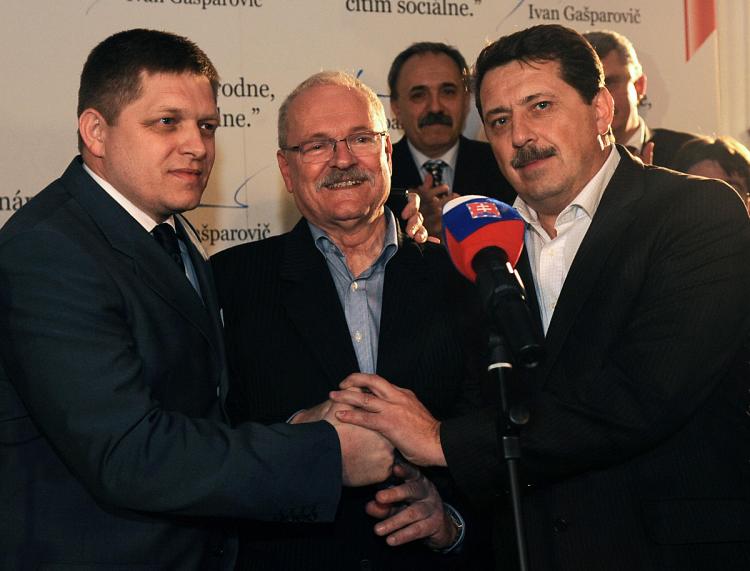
{"points": [[509, 421]]}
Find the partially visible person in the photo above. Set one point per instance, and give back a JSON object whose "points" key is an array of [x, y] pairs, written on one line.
{"points": [[724, 158], [430, 92], [627, 82], [635, 453], [115, 450], [345, 291]]}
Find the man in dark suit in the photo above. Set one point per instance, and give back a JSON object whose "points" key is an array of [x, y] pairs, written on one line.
{"points": [[345, 292], [636, 452], [430, 96], [625, 80], [115, 451]]}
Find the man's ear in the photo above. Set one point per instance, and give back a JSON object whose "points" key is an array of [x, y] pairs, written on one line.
{"points": [[93, 129], [284, 168], [395, 109], [640, 87], [604, 107], [389, 152]]}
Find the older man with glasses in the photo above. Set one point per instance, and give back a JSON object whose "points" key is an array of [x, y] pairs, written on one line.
{"points": [[346, 292]]}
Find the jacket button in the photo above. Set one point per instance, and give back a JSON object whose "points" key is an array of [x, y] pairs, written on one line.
{"points": [[560, 525]]}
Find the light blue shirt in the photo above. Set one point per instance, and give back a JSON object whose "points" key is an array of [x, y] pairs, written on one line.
{"points": [[361, 296]]}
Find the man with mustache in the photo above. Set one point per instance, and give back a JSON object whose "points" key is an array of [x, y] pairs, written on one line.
{"points": [[430, 94], [342, 292], [635, 453], [626, 82]]}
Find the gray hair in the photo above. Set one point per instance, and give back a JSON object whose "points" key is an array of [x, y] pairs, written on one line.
{"points": [[339, 78]]}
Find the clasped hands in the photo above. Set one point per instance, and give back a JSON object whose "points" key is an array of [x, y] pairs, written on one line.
{"points": [[371, 416]]}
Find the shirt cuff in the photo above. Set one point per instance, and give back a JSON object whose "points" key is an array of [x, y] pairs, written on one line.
{"points": [[460, 524]]}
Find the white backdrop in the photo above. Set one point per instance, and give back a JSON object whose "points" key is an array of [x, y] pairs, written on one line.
{"points": [[263, 48]]}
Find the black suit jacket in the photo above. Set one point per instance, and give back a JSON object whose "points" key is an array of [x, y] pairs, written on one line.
{"points": [[476, 173], [666, 144], [112, 433], [636, 454], [288, 345]]}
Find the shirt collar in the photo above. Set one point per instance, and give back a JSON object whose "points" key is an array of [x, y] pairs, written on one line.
{"points": [[587, 201], [390, 240], [450, 156], [141, 217]]}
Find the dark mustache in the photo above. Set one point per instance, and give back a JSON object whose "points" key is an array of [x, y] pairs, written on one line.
{"points": [[435, 118], [526, 155], [353, 173]]}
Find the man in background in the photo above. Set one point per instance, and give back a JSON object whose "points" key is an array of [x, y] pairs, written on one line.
{"points": [[430, 89], [626, 81]]}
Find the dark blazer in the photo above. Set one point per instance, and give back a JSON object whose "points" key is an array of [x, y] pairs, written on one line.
{"points": [[666, 144], [476, 173], [112, 433], [288, 345], [636, 454]]}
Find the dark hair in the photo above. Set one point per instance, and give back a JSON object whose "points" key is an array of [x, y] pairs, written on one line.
{"points": [[580, 67], [731, 155], [606, 41], [110, 79], [424, 48]]}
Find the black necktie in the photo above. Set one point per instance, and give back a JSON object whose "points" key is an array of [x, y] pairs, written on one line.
{"points": [[435, 168], [167, 239]]}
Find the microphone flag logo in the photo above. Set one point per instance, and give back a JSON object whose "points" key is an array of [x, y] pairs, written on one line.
{"points": [[483, 209]]}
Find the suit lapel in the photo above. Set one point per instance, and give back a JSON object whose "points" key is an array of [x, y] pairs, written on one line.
{"points": [[131, 240], [524, 270], [313, 306], [405, 170], [613, 215], [463, 179], [406, 300]]}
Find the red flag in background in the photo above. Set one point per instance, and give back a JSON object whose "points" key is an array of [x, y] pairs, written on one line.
{"points": [[700, 22]]}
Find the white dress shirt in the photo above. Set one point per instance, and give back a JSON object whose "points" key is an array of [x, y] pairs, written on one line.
{"points": [[551, 258]]}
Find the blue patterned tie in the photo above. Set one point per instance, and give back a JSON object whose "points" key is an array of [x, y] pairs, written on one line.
{"points": [[435, 168]]}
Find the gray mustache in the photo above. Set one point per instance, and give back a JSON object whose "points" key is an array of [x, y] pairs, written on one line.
{"points": [[354, 173]]}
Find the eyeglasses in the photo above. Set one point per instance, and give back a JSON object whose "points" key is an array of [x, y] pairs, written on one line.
{"points": [[362, 144]]}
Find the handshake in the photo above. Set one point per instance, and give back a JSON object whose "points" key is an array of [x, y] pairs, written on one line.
{"points": [[373, 420]]}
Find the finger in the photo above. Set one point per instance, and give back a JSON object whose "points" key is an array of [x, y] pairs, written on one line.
{"points": [[412, 199], [356, 399], [647, 154], [361, 418], [422, 236], [377, 510], [410, 524], [410, 491], [414, 224], [406, 470], [377, 385]]}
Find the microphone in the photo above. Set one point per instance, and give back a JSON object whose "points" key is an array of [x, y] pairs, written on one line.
{"points": [[484, 238]]}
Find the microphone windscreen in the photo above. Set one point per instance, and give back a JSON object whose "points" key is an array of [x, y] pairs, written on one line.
{"points": [[473, 222]]}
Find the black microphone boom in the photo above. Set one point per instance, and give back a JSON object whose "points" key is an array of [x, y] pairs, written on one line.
{"points": [[504, 300]]}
